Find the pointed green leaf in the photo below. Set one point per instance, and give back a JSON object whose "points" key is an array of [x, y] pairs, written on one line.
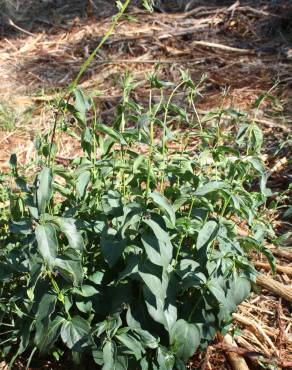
{"points": [[50, 334], [165, 359], [158, 251], [74, 331], [111, 132], [81, 105], [211, 187], [82, 183], [45, 308], [133, 345], [47, 243], [112, 246], [69, 266], [111, 360], [207, 234], [68, 227], [44, 188], [163, 203]]}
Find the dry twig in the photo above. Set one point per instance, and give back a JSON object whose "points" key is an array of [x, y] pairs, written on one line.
{"points": [[266, 266], [275, 287], [236, 360]]}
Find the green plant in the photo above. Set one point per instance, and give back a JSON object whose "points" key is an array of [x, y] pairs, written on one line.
{"points": [[8, 117], [129, 255]]}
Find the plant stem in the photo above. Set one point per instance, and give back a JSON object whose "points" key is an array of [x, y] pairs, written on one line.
{"points": [[185, 234], [83, 69], [164, 132], [86, 64], [150, 155], [58, 291]]}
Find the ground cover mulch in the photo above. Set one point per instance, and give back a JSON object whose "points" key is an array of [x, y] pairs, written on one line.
{"points": [[242, 46]]}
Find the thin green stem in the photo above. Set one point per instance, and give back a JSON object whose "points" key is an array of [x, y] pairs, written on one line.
{"points": [[83, 69], [164, 132], [86, 64], [185, 234], [150, 157], [58, 292]]}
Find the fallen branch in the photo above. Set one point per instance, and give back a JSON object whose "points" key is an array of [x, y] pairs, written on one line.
{"points": [[252, 355], [266, 266], [199, 24], [271, 124], [275, 287], [223, 47], [12, 24], [235, 359], [281, 252]]}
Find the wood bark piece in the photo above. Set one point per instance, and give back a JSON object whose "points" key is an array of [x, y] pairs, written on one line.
{"points": [[223, 47], [266, 266], [281, 253], [236, 361], [256, 328], [281, 290]]}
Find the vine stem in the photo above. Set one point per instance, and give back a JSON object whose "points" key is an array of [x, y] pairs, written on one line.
{"points": [[83, 69], [58, 291], [87, 62], [164, 132], [185, 234], [151, 146]]}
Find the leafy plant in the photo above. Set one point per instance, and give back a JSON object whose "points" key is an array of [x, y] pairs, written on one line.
{"points": [[130, 254]]}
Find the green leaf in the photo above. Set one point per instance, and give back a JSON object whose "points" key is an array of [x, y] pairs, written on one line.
{"points": [[288, 213], [86, 140], [211, 187], [156, 227], [163, 203], [165, 359], [45, 308], [242, 133], [69, 266], [109, 355], [112, 203], [152, 277], [111, 360], [82, 183], [217, 291], [133, 345], [68, 227], [159, 251], [159, 294], [185, 339], [73, 331], [112, 133], [239, 290], [47, 243], [50, 334], [81, 105], [44, 189], [207, 234], [146, 338], [257, 138], [88, 291], [112, 246]]}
